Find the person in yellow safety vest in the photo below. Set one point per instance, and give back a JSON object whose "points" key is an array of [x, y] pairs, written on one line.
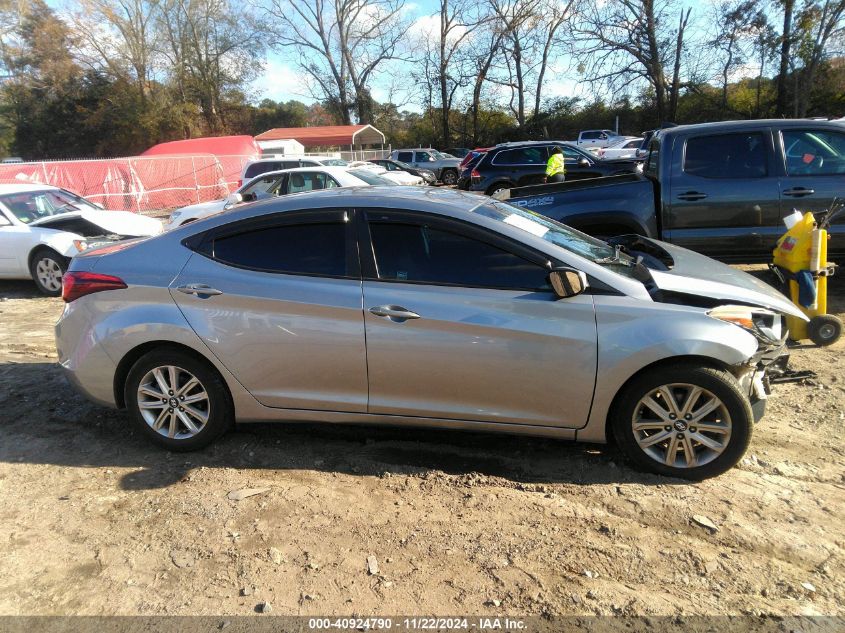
{"points": [[555, 167]]}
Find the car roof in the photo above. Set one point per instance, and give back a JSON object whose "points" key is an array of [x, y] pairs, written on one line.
{"points": [[753, 123], [20, 188], [417, 149]]}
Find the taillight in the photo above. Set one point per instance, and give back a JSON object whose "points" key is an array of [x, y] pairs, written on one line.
{"points": [[475, 174], [240, 184], [79, 284]]}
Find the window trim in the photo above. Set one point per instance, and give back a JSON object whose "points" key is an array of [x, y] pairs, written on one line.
{"points": [[369, 270], [199, 242], [782, 149]]}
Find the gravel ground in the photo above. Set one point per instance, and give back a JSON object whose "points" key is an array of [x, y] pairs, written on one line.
{"points": [[95, 521]]}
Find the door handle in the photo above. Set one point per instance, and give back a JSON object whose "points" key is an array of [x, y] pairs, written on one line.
{"points": [[692, 196], [797, 192], [200, 290], [397, 314]]}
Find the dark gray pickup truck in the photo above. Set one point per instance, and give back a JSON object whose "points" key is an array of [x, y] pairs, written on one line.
{"points": [[721, 189]]}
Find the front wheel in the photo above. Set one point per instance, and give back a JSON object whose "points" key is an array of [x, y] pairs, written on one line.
{"points": [[47, 268], [683, 421]]}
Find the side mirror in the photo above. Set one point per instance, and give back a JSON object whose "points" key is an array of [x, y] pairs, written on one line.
{"points": [[583, 162], [567, 282], [234, 198]]}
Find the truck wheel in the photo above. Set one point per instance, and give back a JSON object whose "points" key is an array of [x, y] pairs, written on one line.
{"points": [[824, 329], [449, 177], [683, 420], [47, 268]]}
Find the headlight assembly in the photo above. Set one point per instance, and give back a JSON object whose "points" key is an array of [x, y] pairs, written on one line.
{"points": [[764, 324]]}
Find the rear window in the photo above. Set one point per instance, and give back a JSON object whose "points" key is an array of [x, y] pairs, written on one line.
{"points": [[740, 155], [262, 167]]}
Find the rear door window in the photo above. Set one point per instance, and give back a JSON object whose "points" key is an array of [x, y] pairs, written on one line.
{"points": [[296, 249], [814, 152], [741, 155], [522, 156]]}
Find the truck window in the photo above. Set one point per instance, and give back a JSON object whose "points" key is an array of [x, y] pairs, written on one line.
{"points": [[405, 157], [741, 155], [653, 163], [814, 152]]}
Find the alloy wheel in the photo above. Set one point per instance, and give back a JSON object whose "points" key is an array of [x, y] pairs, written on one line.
{"points": [[49, 274], [173, 402], [681, 425]]}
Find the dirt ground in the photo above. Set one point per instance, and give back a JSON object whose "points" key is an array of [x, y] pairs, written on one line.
{"points": [[96, 521]]}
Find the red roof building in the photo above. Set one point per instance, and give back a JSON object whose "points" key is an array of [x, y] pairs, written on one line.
{"points": [[326, 136]]}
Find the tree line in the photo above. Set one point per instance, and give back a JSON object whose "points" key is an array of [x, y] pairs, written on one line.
{"points": [[112, 77]]}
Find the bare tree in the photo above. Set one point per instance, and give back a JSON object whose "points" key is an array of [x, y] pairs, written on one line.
{"points": [[785, 46], [487, 45], [339, 45], [819, 25], [121, 35], [622, 41]]}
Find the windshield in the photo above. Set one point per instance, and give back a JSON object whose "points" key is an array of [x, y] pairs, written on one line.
{"points": [[28, 206], [334, 162], [370, 178], [558, 234], [437, 154]]}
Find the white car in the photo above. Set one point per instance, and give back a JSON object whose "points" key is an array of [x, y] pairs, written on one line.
{"points": [[279, 183], [625, 148], [276, 162], [43, 227], [396, 177]]}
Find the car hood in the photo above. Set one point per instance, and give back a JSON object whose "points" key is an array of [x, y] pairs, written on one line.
{"points": [[699, 275], [203, 208], [118, 222]]}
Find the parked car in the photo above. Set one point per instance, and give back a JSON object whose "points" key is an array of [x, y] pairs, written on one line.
{"points": [[519, 164], [278, 183], [255, 315], [625, 148], [43, 227], [721, 189], [397, 177], [467, 165], [457, 152], [262, 165], [597, 138], [445, 169], [394, 165]]}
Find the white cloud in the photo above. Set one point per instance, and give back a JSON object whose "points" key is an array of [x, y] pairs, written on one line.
{"points": [[280, 82]]}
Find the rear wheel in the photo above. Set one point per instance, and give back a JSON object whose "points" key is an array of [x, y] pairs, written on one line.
{"points": [[449, 177], [178, 401], [683, 421], [494, 189], [47, 268]]}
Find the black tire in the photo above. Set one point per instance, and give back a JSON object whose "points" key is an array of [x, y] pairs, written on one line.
{"points": [[47, 267], [499, 186], [449, 177], [683, 376], [824, 329], [218, 404]]}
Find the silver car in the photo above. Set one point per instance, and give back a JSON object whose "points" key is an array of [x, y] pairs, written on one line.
{"points": [[425, 307]]}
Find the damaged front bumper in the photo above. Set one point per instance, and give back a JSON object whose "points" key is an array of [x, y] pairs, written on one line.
{"points": [[755, 376]]}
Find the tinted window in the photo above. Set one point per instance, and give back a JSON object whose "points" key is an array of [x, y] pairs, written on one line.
{"points": [[405, 157], [370, 178], [726, 156], [814, 152], [412, 252], [423, 157], [260, 168], [632, 144], [586, 136], [311, 249], [290, 164], [571, 155], [308, 181], [522, 156]]}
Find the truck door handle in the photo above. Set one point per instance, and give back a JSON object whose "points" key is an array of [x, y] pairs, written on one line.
{"points": [[692, 196], [200, 290], [397, 314], [797, 192]]}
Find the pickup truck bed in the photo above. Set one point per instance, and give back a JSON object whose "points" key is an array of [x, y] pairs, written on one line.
{"points": [[603, 207]]}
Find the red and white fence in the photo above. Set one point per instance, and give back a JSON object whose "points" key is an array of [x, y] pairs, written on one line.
{"points": [[137, 183]]}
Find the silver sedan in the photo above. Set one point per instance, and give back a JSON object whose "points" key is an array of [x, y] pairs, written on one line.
{"points": [[425, 307]]}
